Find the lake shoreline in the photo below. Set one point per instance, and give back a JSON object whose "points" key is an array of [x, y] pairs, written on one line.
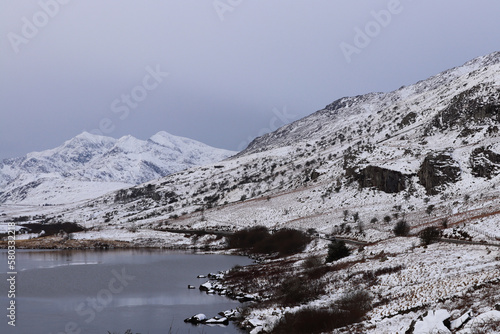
{"points": [[167, 287], [81, 242], [199, 246]]}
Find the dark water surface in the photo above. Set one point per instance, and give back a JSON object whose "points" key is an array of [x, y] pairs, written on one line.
{"points": [[80, 292]]}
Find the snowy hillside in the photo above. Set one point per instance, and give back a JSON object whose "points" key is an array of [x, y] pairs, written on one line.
{"points": [[88, 166], [426, 155]]}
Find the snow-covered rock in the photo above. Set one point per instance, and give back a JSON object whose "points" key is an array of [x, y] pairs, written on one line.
{"points": [[482, 321], [217, 320], [461, 321], [231, 314], [432, 322], [197, 318], [207, 286]]}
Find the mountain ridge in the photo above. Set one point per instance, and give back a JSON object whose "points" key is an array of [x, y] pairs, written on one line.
{"points": [[93, 158], [343, 104]]}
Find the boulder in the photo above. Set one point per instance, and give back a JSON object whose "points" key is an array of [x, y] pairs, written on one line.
{"points": [[217, 320], [460, 322], [437, 170], [231, 314], [207, 286], [484, 163], [483, 320], [431, 322], [218, 276], [246, 298], [197, 319]]}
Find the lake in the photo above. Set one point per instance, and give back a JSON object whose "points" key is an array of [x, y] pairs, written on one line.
{"points": [[71, 292]]}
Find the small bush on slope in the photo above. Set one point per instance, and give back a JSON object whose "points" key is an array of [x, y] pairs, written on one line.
{"points": [[348, 310], [298, 290], [247, 238], [336, 251], [259, 240], [401, 229], [429, 235]]}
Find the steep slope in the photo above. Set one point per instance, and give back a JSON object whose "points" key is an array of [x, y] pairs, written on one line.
{"points": [[424, 99], [91, 165]]}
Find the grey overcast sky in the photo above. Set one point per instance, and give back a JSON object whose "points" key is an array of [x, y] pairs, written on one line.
{"points": [[236, 68]]}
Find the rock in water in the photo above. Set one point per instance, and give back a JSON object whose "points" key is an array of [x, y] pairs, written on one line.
{"points": [[197, 319]]}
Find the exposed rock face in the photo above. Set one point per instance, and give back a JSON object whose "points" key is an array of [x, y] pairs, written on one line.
{"points": [[408, 119], [387, 180], [479, 105], [485, 163], [437, 170]]}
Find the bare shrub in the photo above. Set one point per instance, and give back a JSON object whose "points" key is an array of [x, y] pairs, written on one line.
{"points": [[388, 270], [429, 235], [247, 238], [312, 262], [337, 250], [401, 229], [354, 305], [348, 310], [296, 290], [308, 320], [259, 240]]}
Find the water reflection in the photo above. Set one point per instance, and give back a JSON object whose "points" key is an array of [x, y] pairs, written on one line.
{"points": [[104, 291]]}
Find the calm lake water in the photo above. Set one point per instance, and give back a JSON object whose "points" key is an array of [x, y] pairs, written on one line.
{"points": [[71, 292]]}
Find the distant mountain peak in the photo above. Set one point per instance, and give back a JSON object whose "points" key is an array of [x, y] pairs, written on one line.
{"points": [[164, 138], [87, 135], [94, 158]]}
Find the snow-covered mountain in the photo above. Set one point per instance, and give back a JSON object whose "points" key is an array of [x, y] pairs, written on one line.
{"points": [[427, 155], [477, 79], [89, 166]]}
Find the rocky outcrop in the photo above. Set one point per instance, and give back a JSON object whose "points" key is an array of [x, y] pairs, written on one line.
{"points": [[479, 105], [484, 163], [437, 170], [409, 119], [383, 179]]}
